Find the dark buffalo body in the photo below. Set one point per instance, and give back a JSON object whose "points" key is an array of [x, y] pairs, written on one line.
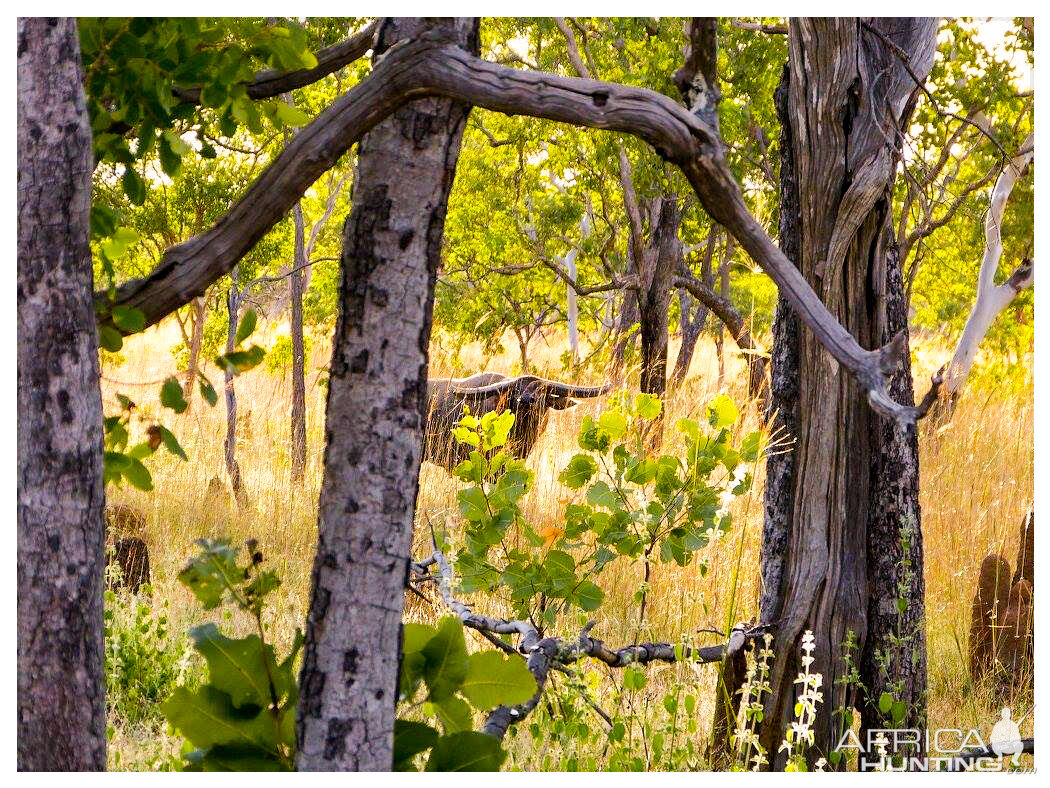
{"points": [[528, 397]]}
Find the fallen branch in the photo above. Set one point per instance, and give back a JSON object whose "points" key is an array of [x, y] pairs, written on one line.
{"points": [[543, 654]]}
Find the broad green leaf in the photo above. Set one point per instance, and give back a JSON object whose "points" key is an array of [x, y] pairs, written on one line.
{"points": [[128, 319], [722, 412], [495, 680], [237, 667], [600, 494], [208, 717], [241, 758], [468, 751], [578, 472], [750, 446], [411, 738], [134, 186], [454, 714], [110, 339], [613, 423], [588, 596], [138, 476], [472, 504], [648, 406], [291, 116], [171, 443], [885, 702], [211, 572], [247, 325], [171, 395], [446, 655]]}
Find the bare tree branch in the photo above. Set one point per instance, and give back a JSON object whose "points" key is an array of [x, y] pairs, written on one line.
{"points": [[991, 298], [429, 66]]}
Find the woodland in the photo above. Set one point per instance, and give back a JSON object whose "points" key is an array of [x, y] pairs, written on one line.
{"points": [[543, 394]]}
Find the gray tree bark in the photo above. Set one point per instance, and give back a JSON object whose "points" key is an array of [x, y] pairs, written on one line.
{"points": [[296, 287], [375, 420], [195, 351], [61, 689], [233, 468], [842, 514]]}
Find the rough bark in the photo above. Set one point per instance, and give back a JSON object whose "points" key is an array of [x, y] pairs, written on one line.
{"points": [[195, 351], [376, 412], [430, 66], [61, 690], [838, 510], [296, 285], [233, 468], [691, 323], [654, 296]]}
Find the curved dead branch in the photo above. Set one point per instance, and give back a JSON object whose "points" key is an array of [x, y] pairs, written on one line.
{"points": [[543, 654], [428, 67]]}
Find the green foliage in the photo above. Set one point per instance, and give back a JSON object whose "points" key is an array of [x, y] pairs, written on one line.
{"points": [[145, 662], [629, 504], [243, 717], [119, 463], [436, 659]]}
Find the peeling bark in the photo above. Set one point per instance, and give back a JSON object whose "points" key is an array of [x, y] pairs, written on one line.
{"points": [[61, 690], [839, 507], [376, 412]]}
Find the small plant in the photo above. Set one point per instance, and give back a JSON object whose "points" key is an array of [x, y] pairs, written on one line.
{"points": [[799, 737], [243, 717], [456, 682], [145, 662], [749, 753]]}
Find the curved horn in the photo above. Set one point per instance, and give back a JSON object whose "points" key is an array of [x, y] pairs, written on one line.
{"points": [[552, 387]]}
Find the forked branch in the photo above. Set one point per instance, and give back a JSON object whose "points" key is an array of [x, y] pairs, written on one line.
{"points": [[429, 66]]}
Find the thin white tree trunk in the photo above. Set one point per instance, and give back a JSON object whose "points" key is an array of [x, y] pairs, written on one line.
{"points": [[991, 298]]}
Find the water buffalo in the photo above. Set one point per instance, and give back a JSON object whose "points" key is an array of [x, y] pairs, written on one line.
{"points": [[527, 396]]}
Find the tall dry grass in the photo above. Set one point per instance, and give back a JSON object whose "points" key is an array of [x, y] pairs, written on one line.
{"points": [[977, 482]]}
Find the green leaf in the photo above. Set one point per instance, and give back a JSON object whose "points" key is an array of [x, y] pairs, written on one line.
{"points": [[411, 738], [171, 395], [137, 474], [589, 596], [648, 406], [454, 714], [128, 319], [578, 472], [467, 751], [208, 391], [750, 446], [291, 116], [247, 326], [600, 494], [494, 680], [134, 186], [177, 144], [237, 667], [110, 339], [415, 637], [211, 572], [613, 423], [241, 758], [208, 717], [170, 161], [472, 504], [722, 412], [885, 702], [239, 361], [171, 443], [446, 655], [898, 710]]}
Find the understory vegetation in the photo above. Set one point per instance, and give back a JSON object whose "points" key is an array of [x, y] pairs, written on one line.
{"points": [[977, 484]]}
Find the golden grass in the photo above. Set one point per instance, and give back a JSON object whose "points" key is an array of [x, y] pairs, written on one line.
{"points": [[977, 482]]}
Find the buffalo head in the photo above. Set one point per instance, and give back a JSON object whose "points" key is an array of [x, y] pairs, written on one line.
{"points": [[527, 396]]}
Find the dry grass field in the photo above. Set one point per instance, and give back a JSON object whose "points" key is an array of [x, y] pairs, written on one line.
{"points": [[977, 482]]}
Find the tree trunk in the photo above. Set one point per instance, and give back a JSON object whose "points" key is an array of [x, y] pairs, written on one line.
{"points": [[654, 296], [692, 324], [195, 351], [723, 290], [61, 688], [233, 301], [842, 510], [296, 283], [375, 420], [625, 321]]}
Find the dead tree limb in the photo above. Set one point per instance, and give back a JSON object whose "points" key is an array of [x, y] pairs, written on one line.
{"points": [[991, 298], [543, 654]]}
